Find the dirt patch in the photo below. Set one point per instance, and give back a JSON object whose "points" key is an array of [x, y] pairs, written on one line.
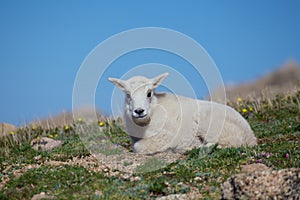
{"points": [[138, 163], [123, 165]]}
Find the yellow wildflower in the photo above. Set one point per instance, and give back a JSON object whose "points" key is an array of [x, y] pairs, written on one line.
{"points": [[251, 109], [12, 132], [51, 136], [79, 119], [33, 127], [101, 124], [56, 135], [244, 110], [67, 127], [240, 99]]}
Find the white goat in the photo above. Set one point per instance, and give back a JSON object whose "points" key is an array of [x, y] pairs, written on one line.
{"points": [[157, 122]]}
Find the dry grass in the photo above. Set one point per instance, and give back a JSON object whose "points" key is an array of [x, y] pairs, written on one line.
{"points": [[6, 128], [284, 81], [67, 118]]}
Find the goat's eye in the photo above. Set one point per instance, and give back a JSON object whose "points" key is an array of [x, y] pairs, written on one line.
{"points": [[149, 94]]}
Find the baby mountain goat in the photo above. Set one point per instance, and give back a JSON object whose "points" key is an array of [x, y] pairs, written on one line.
{"points": [[158, 122]]}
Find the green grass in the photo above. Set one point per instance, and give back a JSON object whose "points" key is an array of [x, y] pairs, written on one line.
{"points": [[276, 124]]}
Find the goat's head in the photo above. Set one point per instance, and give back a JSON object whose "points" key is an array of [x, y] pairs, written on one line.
{"points": [[139, 93]]}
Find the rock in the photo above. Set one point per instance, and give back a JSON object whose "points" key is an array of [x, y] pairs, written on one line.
{"points": [[263, 184], [37, 158], [45, 144], [98, 193], [6, 128], [42, 195]]}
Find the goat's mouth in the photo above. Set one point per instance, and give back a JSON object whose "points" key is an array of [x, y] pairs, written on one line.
{"points": [[139, 116], [141, 120]]}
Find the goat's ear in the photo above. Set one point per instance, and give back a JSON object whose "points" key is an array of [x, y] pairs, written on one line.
{"points": [[119, 83], [158, 80]]}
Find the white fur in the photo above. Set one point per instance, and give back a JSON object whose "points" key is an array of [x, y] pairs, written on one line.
{"points": [[175, 122]]}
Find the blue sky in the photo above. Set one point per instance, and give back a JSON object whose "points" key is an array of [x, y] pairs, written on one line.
{"points": [[43, 43]]}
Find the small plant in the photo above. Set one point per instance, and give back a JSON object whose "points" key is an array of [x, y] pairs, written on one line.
{"points": [[150, 165]]}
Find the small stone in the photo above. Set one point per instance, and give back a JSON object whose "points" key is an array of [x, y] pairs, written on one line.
{"points": [[166, 183], [30, 167], [105, 170], [137, 178], [6, 169], [98, 193], [42, 195], [45, 144], [38, 157], [180, 183], [126, 176]]}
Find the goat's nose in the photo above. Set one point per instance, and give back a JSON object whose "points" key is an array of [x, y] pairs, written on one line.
{"points": [[139, 111]]}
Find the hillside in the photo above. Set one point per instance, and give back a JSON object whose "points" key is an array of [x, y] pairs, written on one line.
{"points": [[284, 80], [70, 171]]}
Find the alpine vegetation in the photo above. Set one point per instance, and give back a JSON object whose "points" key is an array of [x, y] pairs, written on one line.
{"points": [[158, 122]]}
